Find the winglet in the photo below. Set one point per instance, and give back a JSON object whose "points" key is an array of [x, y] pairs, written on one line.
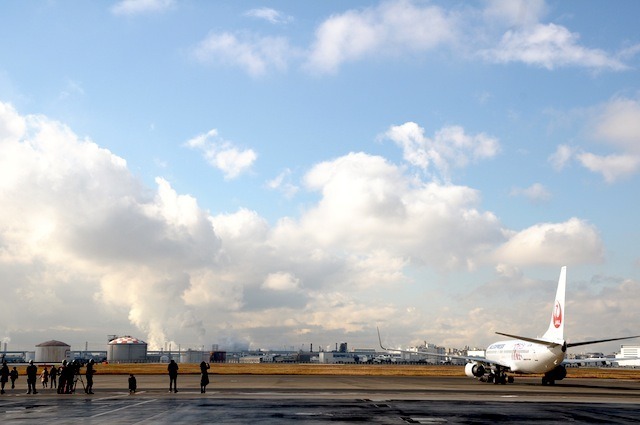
{"points": [[380, 339]]}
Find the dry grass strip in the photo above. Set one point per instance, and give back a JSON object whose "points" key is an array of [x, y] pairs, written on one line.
{"points": [[330, 369]]}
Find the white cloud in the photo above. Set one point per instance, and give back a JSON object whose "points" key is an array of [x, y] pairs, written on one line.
{"points": [[572, 242], [535, 193], [618, 124], [77, 228], [502, 32], [549, 46], [450, 147], [271, 15], [139, 7], [255, 55], [612, 167], [561, 157], [389, 29], [614, 124], [282, 183], [515, 12], [222, 154], [368, 205]]}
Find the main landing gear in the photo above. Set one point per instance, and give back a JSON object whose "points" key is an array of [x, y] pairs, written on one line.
{"points": [[498, 376]]}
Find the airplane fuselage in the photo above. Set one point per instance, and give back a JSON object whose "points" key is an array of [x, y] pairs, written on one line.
{"points": [[525, 357]]}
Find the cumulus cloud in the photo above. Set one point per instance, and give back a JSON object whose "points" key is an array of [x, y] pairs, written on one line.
{"points": [[388, 29], [139, 7], [78, 229], [573, 242], [223, 154], [254, 54], [369, 205], [450, 147], [270, 15]]}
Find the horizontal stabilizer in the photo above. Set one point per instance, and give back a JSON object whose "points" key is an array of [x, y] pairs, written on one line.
{"points": [[533, 340], [576, 344]]}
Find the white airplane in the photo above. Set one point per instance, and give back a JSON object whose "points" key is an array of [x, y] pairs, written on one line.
{"points": [[523, 355]]}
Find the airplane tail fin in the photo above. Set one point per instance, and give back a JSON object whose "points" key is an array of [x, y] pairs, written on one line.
{"points": [[555, 332]]}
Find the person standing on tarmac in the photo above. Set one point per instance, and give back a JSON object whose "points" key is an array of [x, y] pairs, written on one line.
{"points": [[4, 376], [62, 373], [204, 376], [173, 376], [44, 377], [53, 374], [133, 385], [32, 377], [89, 374], [13, 375]]}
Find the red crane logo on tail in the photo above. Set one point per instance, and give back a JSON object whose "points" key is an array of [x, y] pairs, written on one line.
{"points": [[557, 315]]}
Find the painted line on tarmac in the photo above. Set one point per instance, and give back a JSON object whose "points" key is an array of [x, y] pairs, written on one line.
{"points": [[119, 395], [122, 408], [152, 417]]}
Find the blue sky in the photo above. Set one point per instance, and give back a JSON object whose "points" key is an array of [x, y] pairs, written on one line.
{"points": [[284, 173]]}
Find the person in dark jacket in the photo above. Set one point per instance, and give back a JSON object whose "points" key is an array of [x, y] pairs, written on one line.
{"points": [[133, 385], [13, 375], [4, 376], [204, 376], [89, 374], [62, 373], [173, 376], [53, 374], [32, 377]]}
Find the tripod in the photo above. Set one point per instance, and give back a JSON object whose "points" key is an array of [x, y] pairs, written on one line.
{"points": [[77, 378]]}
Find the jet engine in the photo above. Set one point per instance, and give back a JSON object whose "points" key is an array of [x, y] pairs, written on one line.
{"points": [[475, 370]]}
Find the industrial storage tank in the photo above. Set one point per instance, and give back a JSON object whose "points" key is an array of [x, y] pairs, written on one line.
{"points": [[192, 356], [127, 349], [52, 352]]}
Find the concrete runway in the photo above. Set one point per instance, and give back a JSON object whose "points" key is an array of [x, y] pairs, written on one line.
{"points": [[275, 399]]}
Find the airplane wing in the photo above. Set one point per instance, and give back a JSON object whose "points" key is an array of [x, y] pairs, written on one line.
{"points": [[449, 356]]}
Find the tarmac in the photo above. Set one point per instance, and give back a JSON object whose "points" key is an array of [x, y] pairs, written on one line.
{"points": [[277, 399]]}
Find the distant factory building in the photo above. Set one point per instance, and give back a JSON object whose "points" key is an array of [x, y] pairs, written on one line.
{"points": [[126, 349], [52, 352]]}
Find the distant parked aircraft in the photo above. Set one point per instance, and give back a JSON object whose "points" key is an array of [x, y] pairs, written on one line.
{"points": [[524, 355]]}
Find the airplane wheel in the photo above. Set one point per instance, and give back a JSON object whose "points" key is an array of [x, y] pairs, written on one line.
{"points": [[544, 380], [510, 379]]}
